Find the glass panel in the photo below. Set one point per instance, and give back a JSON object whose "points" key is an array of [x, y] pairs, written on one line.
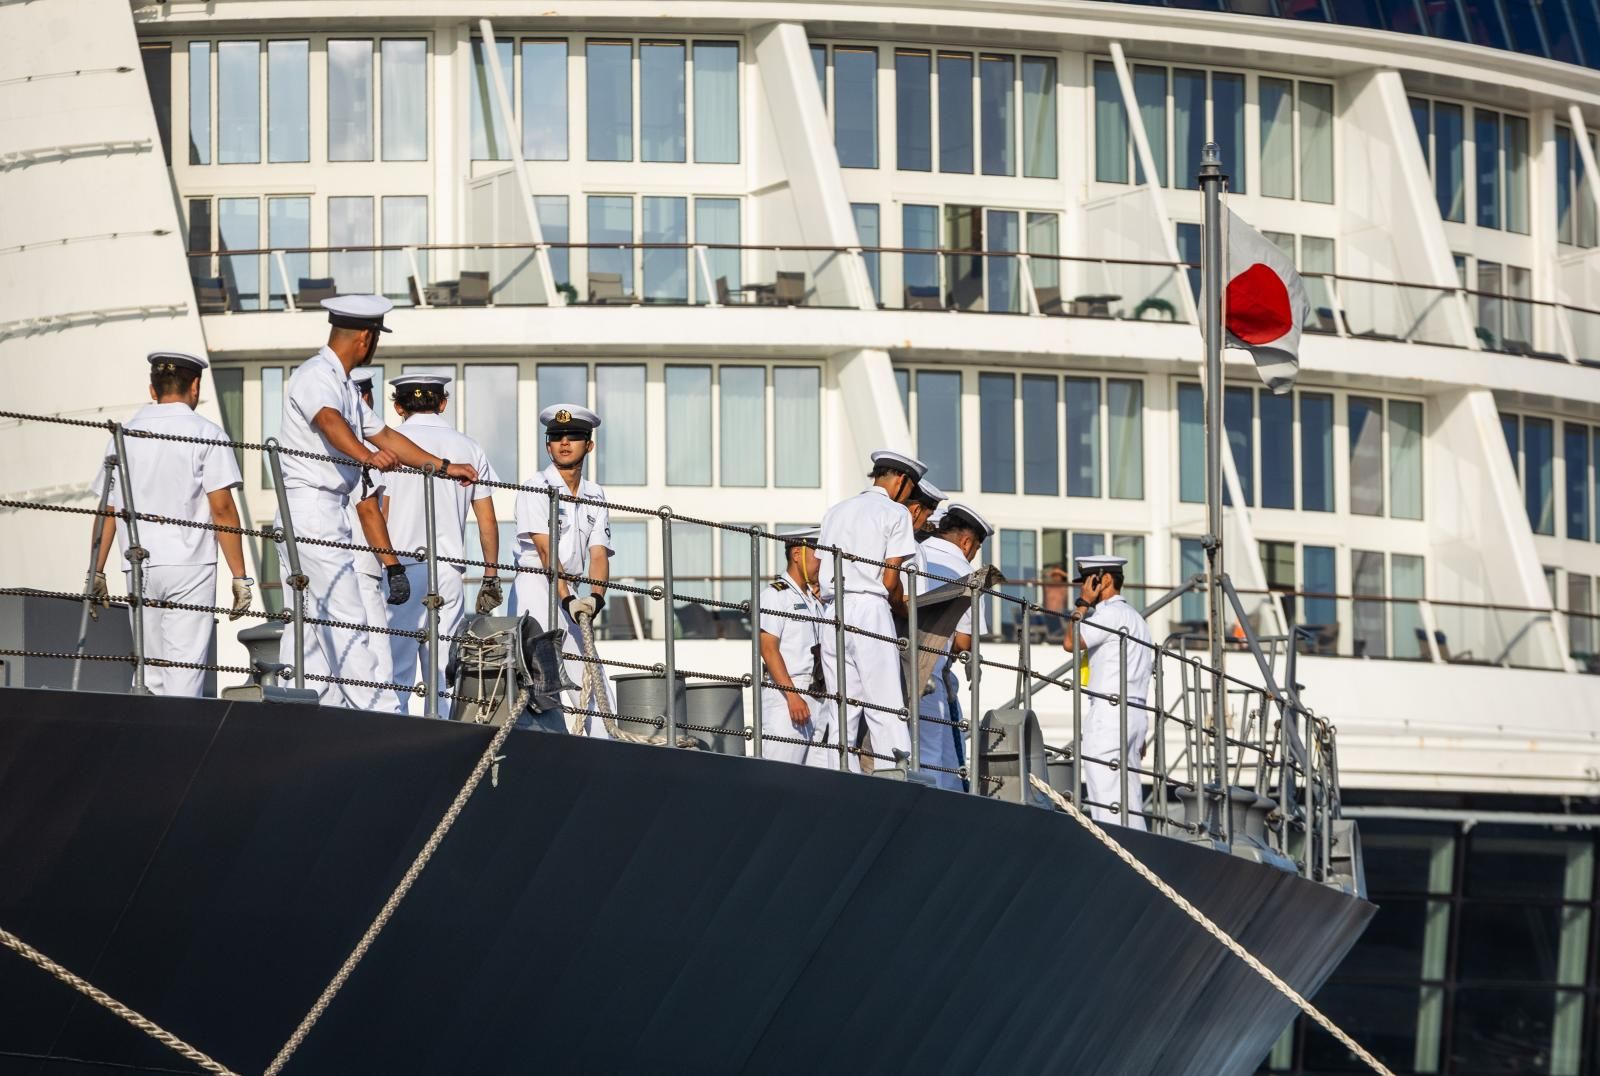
{"points": [[939, 427], [716, 220], [230, 402], [797, 425], [1083, 437], [867, 234], [1277, 568], [350, 225], [1516, 149], [239, 102], [691, 562], [1406, 580], [902, 381], [716, 102], [1448, 168], [1191, 444], [1238, 419], [1584, 200], [561, 383], [913, 118], [1318, 563], [490, 412], [920, 230], [631, 540], [200, 103], [1316, 452], [819, 60], [611, 221], [490, 142], [955, 112], [688, 418], [1486, 157], [1564, 162], [1366, 456], [349, 100], [1511, 428], [1041, 440], [405, 223], [734, 584], [1150, 90], [1371, 618], [1192, 562], [1019, 559], [288, 101], [1038, 117], [1576, 457], [1491, 328], [855, 112], [997, 107], [1125, 430], [1110, 127], [288, 225], [1405, 459], [666, 272], [609, 69], [544, 100], [1227, 126], [1277, 451], [1044, 237], [1317, 256], [1420, 120], [1316, 142], [1188, 127], [239, 228], [1131, 547], [619, 395], [963, 273], [1000, 274], [742, 404], [662, 90], [1538, 471], [553, 223], [1526, 33], [200, 237], [997, 433], [271, 413], [1580, 624], [156, 58], [1277, 137]]}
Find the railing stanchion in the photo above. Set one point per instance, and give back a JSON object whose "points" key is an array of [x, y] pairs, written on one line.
{"points": [[296, 579], [1078, 776], [755, 642], [842, 702], [554, 567], [1159, 786], [975, 715], [430, 667], [1122, 724], [136, 557], [669, 654], [913, 662], [94, 558], [1025, 655]]}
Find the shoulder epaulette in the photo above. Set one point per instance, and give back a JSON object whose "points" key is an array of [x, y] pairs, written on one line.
{"points": [[779, 584]]}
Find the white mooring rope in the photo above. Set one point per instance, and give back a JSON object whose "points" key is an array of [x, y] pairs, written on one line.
{"points": [[1209, 927]]}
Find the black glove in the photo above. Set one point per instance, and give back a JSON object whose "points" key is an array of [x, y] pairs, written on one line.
{"points": [[399, 585], [489, 595]]}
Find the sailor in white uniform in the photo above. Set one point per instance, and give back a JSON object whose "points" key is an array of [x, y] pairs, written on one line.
{"points": [[323, 413], [873, 524], [791, 649], [947, 554], [182, 481], [420, 399], [584, 546], [370, 566], [1101, 613]]}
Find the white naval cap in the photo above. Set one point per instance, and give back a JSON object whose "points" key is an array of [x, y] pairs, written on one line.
{"points": [[800, 536], [1089, 565], [568, 418], [419, 381], [358, 311], [958, 514], [929, 494], [902, 463], [173, 361]]}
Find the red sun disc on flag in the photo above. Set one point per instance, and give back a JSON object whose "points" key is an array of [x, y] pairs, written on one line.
{"points": [[1258, 306]]}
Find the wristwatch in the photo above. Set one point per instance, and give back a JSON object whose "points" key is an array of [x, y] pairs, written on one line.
{"points": [[444, 465]]}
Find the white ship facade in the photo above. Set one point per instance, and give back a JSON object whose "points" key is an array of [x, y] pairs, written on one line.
{"points": [[762, 240]]}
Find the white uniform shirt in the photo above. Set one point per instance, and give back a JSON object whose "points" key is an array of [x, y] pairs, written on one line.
{"points": [[867, 525], [795, 637], [321, 382], [408, 520], [1098, 630], [171, 478], [583, 526], [945, 563]]}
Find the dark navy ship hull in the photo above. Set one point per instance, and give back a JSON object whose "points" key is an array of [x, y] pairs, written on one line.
{"points": [[606, 908]]}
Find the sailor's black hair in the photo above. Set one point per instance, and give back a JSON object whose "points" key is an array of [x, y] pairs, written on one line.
{"points": [[172, 378], [420, 398]]}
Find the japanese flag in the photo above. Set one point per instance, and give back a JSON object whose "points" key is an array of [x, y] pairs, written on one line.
{"points": [[1264, 303]]}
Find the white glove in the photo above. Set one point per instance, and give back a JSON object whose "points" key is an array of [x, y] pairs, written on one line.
{"points": [[241, 596], [579, 608], [98, 594]]}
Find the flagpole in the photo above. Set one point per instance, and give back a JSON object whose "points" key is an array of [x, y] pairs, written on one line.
{"points": [[1211, 276]]}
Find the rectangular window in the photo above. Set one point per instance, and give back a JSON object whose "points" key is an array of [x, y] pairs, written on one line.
{"points": [[1227, 126], [1277, 568], [609, 69], [200, 103], [1538, 474], [1580, 622], [239, 102], [1318, 565], [1565, 152], [1000, 274], [797, 426], [1019, 559], [997, 433], [200, 237], [1038, 117], [1083, 437], [1583, 198], [1110, 127], [955, 112], [288, 225], [1406, 581], [1316, 452], [1491, 307], [1125, 431], [239, 228], [490, 399], [405, 223], [611, 221], [1277, 448], [1191, 444], [662, 93], [716, 220], [1188, 126], [562, 383], [1044, 239], [1511, 429], [404, 74], [1371, 628], [868, 235], [997, 107], [939, 427], [544, 100], [742, 406], [350, 224], [288, 101], [716, 102], [688, 418], [1277, 137], [919, 230], [1192, 562], [913, 112], [1316, 142], [1420, 119], [349, 100], [819, 61], [1131, 548], [1150, 91], [1366, 456], [666, 271], [1041, 439], [1238, 419], [619, 394], [230, 402], [692, 569], [490, 141], [1576, 457], [156, 59], [554, 225], [1405, 459], [734, 586], [1486, 156], [1449, 183], [271, 413], [855, 106]]}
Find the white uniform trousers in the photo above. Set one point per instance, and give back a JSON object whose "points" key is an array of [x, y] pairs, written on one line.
{"points": [[410, 656], [172, 633], [332, 593], [936, 743], [872, 670], [532, 594], [822, 750], [373, 601], [1103, 783]]}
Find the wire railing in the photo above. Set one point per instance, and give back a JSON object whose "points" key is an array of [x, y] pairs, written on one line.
{"points": [[1262, 774]]}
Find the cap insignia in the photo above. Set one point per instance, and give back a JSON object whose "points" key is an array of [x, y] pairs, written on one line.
{"points": [[563, 415]]}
